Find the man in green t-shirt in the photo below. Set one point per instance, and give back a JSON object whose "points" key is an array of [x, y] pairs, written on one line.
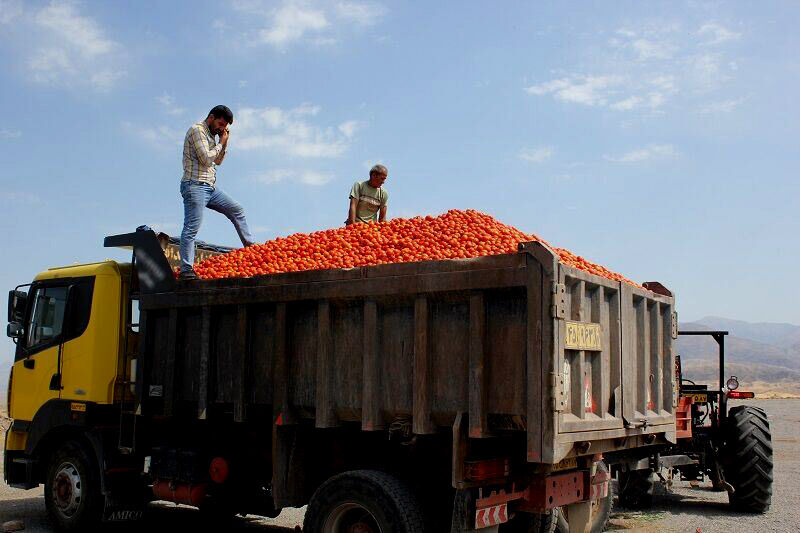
{"points": [[368, 199]]}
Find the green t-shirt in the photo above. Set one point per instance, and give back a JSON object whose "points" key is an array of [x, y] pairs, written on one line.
{"points": [[370, 200]]}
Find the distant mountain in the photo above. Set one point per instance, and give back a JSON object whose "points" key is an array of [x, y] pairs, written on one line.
{"points": [[745, 350], [764, 356], [777, 334]]}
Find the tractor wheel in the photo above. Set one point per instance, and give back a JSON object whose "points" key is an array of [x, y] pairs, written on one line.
{"points": [[748, 459], [636, 488]]}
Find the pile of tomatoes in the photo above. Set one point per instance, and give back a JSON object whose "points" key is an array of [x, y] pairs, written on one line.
{"points": [[453, 235]]}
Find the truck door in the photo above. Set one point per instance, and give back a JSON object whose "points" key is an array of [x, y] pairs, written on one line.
{"points": [[55, 316], [37, 351]]}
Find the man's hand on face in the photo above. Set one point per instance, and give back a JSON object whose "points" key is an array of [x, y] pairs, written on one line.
{"points": [[223, 138]]}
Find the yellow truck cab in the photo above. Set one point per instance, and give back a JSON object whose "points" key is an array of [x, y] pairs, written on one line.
{"points": [[69, 326]]}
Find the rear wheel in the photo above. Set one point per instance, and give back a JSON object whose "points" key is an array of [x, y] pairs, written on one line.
{"points": [[748, 459], [72, 489], [601, 510], [363, 501], [531, 523], [636, 488]]}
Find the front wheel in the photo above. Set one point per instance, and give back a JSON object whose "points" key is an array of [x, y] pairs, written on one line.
{"points": [[363, 501], [72, 489]]}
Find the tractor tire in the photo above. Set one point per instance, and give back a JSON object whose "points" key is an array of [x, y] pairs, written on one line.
{"points": [[748, 459], [72, 489], [636, 488], [363, 500]]}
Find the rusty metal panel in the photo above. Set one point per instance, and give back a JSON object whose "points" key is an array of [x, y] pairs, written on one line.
{"points": [[648, 378], [589, 354]]}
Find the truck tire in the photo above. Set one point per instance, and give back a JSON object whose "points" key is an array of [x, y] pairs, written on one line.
{"points": [[601, 510], [748, 459], [531, 523], [72, 489], [367, 501], [636, 488]]}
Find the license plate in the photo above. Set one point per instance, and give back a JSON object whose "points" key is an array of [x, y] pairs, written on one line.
{"points": [[583, 336], [699, 398], [566, 464]]}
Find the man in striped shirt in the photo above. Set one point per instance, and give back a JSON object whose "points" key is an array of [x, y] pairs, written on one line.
{"points": [[201, 155]]}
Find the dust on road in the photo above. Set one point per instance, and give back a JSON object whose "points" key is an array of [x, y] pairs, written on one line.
{"points": [[681, 509]]}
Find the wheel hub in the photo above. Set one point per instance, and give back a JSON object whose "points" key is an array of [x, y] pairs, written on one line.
{"points": [[351, 518], [67, 489]]}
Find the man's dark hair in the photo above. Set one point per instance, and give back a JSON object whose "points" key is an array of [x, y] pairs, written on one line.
{"points": [[222, 111]]}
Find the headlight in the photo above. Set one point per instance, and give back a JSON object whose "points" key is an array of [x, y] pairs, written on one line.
{"points": [[733, 383]]}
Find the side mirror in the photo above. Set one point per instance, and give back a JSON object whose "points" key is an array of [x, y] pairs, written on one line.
{"points": [[15, 330], [17, 300]]}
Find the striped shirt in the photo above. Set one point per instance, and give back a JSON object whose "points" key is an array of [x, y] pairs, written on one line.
{"points": [[200, 149]]}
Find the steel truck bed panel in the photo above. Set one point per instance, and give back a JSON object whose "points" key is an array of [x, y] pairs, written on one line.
{"points": [[493, 337]]}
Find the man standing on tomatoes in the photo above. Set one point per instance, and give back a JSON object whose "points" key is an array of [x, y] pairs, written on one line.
{"points": [[368, 199], [201, 155]]}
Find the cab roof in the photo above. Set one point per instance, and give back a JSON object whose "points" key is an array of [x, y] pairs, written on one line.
{"points": [[102, 268]]}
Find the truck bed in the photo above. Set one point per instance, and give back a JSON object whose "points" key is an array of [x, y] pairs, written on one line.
{"points": [[510, 343]]}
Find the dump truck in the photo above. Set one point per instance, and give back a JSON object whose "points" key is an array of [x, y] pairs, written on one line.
{"points": [[459, 395]]}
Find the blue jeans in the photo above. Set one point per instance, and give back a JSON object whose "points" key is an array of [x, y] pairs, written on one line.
{"points": [[196, 197]]}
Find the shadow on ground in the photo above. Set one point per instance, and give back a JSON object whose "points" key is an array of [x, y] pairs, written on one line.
{"points": [[158, 519]]}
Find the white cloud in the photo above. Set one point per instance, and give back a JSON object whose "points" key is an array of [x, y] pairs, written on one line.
{"points": [[19, 197], [580, 89], [290, 132], [632, 102], [10, 10], [349, 128], [74, 49], [104, 80], [653, 151], [725, 106], [705, 72], [536, 155], [83, 33], [10, 134], [646, 67], [360, 13], [291, 21], [242, 84], [306, 177], [168, 103], [716, 34], [316, 22], [647, 49]]}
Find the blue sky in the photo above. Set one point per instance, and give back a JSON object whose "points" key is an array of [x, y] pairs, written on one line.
{"points": [[659, 139]]}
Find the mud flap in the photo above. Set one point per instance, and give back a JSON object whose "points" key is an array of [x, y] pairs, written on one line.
{"points": [[579, 517], [122, 511]]}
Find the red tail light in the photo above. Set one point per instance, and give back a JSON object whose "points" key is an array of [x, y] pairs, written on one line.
{"points": [[737, 394], [485, 470]]}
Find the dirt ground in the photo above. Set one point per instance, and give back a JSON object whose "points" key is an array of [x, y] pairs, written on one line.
{"points": [[679, 509]]}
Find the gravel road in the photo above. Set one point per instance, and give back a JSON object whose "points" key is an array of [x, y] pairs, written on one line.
{"points": [[681, 509]]}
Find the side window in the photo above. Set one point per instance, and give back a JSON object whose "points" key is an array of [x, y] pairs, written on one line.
{"points": [[47, 315], [52, 318]]}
